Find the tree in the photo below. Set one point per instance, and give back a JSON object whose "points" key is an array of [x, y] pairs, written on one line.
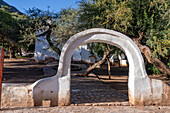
{"points": [[67, 22], [7, 25], [38, 23], [147, 22], [60, 26], [9, 30], [100, 14]]}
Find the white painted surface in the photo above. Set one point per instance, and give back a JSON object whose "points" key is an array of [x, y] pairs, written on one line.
{"points": [[123, 62], [42, 49], [77, 55], [16, 95]]}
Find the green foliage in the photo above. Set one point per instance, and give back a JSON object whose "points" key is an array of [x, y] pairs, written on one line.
{"points": [[152, 69], [108, 14], [131, 17], [61, 26], [169, 64], [97, 48], [103, 14], [67, 25], [160, 46], [158, 32], [8, 26], [152, 18], [36, 22]]}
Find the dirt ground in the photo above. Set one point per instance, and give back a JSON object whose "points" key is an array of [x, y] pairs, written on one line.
{"points": [[28, 71], [22, 71]]}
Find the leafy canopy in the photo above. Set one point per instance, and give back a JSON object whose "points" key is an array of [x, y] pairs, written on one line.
{"points": [[131, 17]]}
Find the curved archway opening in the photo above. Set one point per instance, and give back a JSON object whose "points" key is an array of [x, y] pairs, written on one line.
{"points": [[98, 88]]}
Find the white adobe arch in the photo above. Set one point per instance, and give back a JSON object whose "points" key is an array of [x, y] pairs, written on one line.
{"points": [[57, 88]]}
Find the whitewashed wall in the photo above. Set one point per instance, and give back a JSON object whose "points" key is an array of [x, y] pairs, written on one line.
{"points": [[42, 50]]}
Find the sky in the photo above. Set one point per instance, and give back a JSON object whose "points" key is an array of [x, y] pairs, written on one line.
{"points": [[55, 5]]}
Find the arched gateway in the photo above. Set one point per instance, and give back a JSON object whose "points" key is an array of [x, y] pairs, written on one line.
{"points": [[141, 90]]}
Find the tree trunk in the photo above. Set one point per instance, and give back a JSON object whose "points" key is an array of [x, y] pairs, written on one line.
{"points": [[11, 50], [108, 67], [118, 59], [91, 68], [148, 54], [48, 37], [20, 52], [10, 53]]}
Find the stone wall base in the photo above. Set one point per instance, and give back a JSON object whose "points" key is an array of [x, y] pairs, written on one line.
{"points": [[16, 95]]}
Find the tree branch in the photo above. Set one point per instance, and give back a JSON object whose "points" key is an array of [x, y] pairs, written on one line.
{"points": [[91, 68], [148, 54]]}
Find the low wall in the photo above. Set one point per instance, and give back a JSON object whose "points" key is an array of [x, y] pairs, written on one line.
{"points": [[16, 95], [165, 94], [21, 95], [160, 94]]}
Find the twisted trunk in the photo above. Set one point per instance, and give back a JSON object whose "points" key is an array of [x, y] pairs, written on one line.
{"points": [[91, 68], [48, 37], [148, 54]]}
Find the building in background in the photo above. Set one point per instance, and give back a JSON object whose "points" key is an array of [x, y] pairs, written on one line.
{"points": [[43, 50]]}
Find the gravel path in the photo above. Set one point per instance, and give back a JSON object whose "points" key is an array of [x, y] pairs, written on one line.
{"points": [[90, 91]]}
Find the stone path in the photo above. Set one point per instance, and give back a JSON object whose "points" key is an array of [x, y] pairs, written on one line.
{"points": [[90, 91]]}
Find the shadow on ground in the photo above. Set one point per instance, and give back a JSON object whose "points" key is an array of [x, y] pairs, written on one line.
{"points": [[83, 89]]}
